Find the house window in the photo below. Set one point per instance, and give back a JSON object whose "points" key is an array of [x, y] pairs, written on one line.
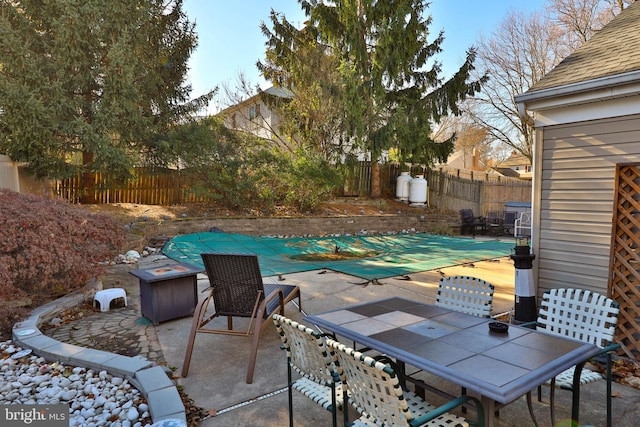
{"points": [[254, 111]]}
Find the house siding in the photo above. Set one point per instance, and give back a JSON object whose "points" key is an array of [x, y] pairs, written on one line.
{"points": [[576, 187]]}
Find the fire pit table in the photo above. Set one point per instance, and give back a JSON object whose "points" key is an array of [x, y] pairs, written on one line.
{"points": [[168, 292]]}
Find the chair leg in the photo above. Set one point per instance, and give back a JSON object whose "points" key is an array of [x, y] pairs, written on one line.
{"points": [[463, 391], [530, 406], [609, 405], [575, 390], [299, 301], [198, 315], [254, 353], [289, 376], [345, 405], [539, 393], [334, 406], [552, 399], [257, 328]]}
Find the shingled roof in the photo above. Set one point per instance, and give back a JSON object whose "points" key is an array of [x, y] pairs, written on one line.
{"points": [[615, 49]]}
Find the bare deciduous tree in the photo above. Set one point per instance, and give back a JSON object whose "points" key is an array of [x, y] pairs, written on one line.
{"points": [[470, 138], [580, 19], [521, 50]]}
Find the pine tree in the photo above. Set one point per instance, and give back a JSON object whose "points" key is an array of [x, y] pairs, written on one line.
{"points": [[84, 85], [391, 90]]}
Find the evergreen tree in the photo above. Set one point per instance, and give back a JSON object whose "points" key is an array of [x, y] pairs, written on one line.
{"points": [[85, 85], [391, 92], [297, 61]]}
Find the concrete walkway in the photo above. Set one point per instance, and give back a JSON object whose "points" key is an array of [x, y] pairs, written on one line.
{"points": [[218, 367]]}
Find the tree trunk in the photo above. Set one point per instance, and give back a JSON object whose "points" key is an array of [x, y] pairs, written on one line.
{"points": [[88, 181], [376, 190]]}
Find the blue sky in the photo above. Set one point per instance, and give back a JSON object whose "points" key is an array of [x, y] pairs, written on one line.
{"points": [[230, 41]]}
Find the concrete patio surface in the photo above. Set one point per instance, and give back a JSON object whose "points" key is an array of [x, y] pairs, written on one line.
{"points": [[216, 380]]}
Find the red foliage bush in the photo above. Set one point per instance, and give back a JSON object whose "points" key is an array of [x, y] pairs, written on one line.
{"points": [[50, 248]]}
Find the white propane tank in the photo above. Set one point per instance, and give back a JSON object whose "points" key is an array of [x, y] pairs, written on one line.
{"points": [[402, 186], [418, 191]]}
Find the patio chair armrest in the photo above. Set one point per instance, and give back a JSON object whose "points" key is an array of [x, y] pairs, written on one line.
{"points": [[328, 335], [448, 407], [609, 349], [278, 293]]}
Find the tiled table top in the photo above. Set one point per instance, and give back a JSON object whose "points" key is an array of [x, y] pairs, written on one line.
{"points": [[458, 347], [166, 272]]}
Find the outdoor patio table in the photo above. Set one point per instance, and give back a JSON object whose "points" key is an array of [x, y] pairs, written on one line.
{"points": [[460, 348]]}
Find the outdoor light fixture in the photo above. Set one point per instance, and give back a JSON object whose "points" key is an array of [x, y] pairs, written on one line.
{"points": [[525, 296], [522, 241]]}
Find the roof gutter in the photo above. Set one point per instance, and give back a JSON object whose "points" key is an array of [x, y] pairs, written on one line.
{"points": [[617, 80]]}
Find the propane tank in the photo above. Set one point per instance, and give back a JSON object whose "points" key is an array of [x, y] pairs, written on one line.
{"points": [[402, 187], [418, 191]]}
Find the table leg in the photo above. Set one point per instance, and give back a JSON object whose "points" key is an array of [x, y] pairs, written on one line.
{"points": [[575, 401], [489, 406]]}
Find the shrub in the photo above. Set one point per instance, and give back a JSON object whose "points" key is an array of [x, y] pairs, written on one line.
{"points": [[312, 180], [50, 247]]}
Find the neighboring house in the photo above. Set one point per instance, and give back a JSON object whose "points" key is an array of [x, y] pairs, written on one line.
{"points": [[464, 160], [586, 170], [465, 164], [9, 175], [256, 117], [516, 166], [14, 177]]}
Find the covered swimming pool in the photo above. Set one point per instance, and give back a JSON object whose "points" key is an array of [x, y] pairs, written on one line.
{"points": [[366, 256]]}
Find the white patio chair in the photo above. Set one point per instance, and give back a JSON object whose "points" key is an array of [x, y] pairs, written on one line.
{"points": [[522, 225], [582, 315], [375, 391], [465, 294], [309, 355]]}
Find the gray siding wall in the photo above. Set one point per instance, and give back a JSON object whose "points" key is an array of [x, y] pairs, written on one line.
{"points": [[577, 191]]}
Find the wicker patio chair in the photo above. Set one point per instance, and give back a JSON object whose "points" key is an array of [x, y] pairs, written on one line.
{"points": [[468, 221], [508, 223], [237, 290], [582, 315], [494, 222], [309, 355], [375, 391], [465, 294]]}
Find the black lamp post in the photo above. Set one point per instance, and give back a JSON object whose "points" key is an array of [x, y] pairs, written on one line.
{"points": [[525, 292]]}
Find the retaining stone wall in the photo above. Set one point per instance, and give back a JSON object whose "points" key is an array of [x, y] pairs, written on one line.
{"points": [[300, 226]]}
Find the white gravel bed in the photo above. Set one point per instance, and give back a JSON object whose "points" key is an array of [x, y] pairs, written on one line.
{"points": [[94, 398]]}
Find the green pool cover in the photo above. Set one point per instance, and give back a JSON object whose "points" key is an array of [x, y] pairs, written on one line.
{"points": [[365, 256]]}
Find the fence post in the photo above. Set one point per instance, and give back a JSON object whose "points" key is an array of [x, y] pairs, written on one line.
{"points": [[481, 198], [441, 198]]}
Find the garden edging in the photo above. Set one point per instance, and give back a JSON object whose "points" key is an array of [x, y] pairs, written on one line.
{"points": [[151, 380]]}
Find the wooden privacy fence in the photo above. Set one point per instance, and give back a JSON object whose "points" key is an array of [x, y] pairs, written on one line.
{"points": [[454, 190], [147, 187], [447, 190]]}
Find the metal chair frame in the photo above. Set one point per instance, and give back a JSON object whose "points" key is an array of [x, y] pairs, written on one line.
{"points": [[375, 391], [582, 315], [237, 290], [468, 221], [315, 362]]}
